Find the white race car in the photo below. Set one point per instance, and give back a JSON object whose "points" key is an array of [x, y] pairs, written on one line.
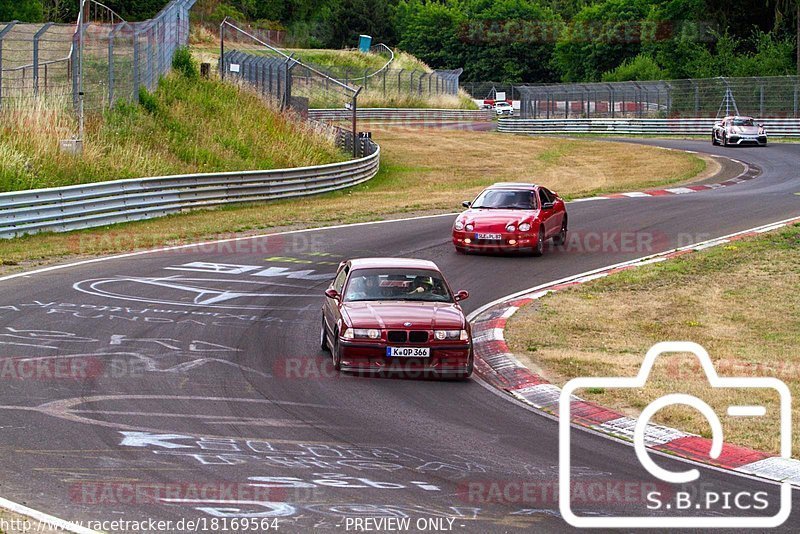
{"points": [[737, 130]]}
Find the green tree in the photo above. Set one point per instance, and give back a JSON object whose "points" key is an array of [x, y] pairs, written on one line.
{"points": [[504, 40], [21, 10], [351, 18], [600, 37]]}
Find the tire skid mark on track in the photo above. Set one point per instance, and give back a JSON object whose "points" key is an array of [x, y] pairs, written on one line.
{"points": [[496, 365]]}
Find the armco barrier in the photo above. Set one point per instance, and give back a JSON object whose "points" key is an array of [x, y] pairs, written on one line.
{"points": [[85, 206], [402, 114], [698, 126]]}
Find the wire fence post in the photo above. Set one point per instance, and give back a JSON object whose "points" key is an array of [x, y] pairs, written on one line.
{"points": [[136, 75], [36, 37], [111, 81], [222, 49], [3, 33]]}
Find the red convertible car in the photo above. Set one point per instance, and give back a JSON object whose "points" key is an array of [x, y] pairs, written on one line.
{"points": [[396, 315], [511, 217]]}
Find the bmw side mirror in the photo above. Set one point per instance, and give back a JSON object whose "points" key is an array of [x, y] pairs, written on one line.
{"points": [[332, 294], [462, 295], [466, 203]]}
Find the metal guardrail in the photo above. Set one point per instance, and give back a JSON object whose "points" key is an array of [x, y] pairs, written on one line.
{"points": [[689, 126], [86, 206], [402, 114]]}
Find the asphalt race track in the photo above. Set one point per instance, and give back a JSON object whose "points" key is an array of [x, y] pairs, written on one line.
{"points": [[130, 383]]}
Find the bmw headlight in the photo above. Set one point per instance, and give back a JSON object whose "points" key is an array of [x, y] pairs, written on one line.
{"points": [[511, 228], [524, 227], [451, 335], [459, 225], [365, 333]]}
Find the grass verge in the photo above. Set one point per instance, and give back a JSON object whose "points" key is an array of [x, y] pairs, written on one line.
{"points": [[185, 126], [739, 301], [422, 171]]}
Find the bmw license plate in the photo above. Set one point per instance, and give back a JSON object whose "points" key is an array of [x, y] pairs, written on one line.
{"points": [[408, 352], [489, 237]]}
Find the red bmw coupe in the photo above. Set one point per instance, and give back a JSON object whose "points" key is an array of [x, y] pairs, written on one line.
{"points": [[393, 314], [511, 217]]}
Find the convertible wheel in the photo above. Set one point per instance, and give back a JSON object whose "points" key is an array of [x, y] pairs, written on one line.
{"points": [[714, 139], [561, 238], [539, 250], [724, 139], [323, 335]]}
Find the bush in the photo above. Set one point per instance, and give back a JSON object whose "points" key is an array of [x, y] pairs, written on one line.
{"points": [[148, 101], [184, 63], [642, 67]]}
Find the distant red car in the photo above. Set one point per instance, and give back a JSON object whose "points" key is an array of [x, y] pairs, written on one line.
{"points": [[511, 217], [394, 314]]}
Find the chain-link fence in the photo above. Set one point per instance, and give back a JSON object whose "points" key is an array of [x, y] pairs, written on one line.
{"points": [[116, 57], [709, 97], [35, 59], [398, 82], [247, 56], [489, 90], [102, 56], [277, 75]]}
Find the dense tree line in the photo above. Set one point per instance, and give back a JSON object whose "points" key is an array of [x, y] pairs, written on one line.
{"points": [[520, 40]]}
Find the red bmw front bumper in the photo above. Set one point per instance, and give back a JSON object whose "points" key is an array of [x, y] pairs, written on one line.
{"points": [[451, 359]]}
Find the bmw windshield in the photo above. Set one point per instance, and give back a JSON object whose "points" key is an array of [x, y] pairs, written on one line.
{"points": [[396, 284]]}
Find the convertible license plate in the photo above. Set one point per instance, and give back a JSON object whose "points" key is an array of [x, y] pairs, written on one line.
{"points": [[408, 352], [489, 237]]}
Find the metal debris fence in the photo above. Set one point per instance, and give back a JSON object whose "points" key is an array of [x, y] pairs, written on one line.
{"points": [[44, 60], [775, 96]]}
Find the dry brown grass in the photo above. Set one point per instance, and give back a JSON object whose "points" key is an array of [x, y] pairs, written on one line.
{"points": [[739, 301], [421, 171]]}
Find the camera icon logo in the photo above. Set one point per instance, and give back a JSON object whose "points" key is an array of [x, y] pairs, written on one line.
{"points": [[675, 477]]}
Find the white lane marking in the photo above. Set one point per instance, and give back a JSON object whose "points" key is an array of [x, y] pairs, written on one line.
{"points": [[654, 434], [775, 467], [261, 236], [213, 242], [788, 468], [649, 258], [44, 519], [680, 190]]}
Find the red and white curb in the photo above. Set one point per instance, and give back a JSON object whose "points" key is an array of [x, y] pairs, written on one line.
{"points": [[750, 172], [497, 366]]}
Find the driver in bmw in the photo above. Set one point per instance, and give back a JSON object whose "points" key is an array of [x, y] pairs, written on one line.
{"points": [[422, 284]]}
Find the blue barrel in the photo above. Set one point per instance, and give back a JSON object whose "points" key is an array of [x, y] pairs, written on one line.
{"points": [[364, 42]]}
